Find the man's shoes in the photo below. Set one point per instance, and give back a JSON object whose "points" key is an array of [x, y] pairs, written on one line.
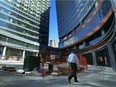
{"points": [[76, 81], [69, 80]]}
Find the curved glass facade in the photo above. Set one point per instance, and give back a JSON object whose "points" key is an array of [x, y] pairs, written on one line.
{"points": [[80, 24], [88, 26], [70, 16], [24, 24]]}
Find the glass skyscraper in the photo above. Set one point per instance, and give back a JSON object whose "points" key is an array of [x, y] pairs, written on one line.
{"points": [[88, 26], [24, 27]]}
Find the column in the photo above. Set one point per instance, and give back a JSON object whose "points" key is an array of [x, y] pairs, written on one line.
{"points": [[94, 58], [4, 53], [23, 56], [111, 55]]}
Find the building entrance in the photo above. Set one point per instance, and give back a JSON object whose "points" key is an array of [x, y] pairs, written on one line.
{"points": [[102, 57]]}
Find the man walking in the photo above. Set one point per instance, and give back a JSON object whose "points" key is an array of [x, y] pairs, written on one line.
{"points": [[73, 64]]}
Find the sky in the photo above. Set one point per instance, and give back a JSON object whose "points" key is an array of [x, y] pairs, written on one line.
{"points": [[53, 35]]}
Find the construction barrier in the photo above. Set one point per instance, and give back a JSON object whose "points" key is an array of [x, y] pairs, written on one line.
{"points": [[83, 62], [62, 68]]}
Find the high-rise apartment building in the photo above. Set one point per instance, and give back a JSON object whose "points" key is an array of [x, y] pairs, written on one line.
{"points": [[24, 27], [88, 26]]}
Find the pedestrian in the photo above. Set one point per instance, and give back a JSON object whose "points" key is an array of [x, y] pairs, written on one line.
{"points": [[73, 64]]}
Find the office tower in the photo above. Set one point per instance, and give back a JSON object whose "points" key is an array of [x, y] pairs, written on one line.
{"points": [[88, 26], [24, 27], [53, 43]]}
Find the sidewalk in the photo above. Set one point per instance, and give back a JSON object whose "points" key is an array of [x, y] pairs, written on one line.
{"points": [[95, 77], [11, 62]]}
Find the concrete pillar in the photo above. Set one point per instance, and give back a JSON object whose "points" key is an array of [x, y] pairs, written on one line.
{"points": [[94, 58], [23, 56], [4, 53], [111, 55]]}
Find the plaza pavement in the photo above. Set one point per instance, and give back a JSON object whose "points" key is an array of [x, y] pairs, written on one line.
{"points": [[94, 77]]}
